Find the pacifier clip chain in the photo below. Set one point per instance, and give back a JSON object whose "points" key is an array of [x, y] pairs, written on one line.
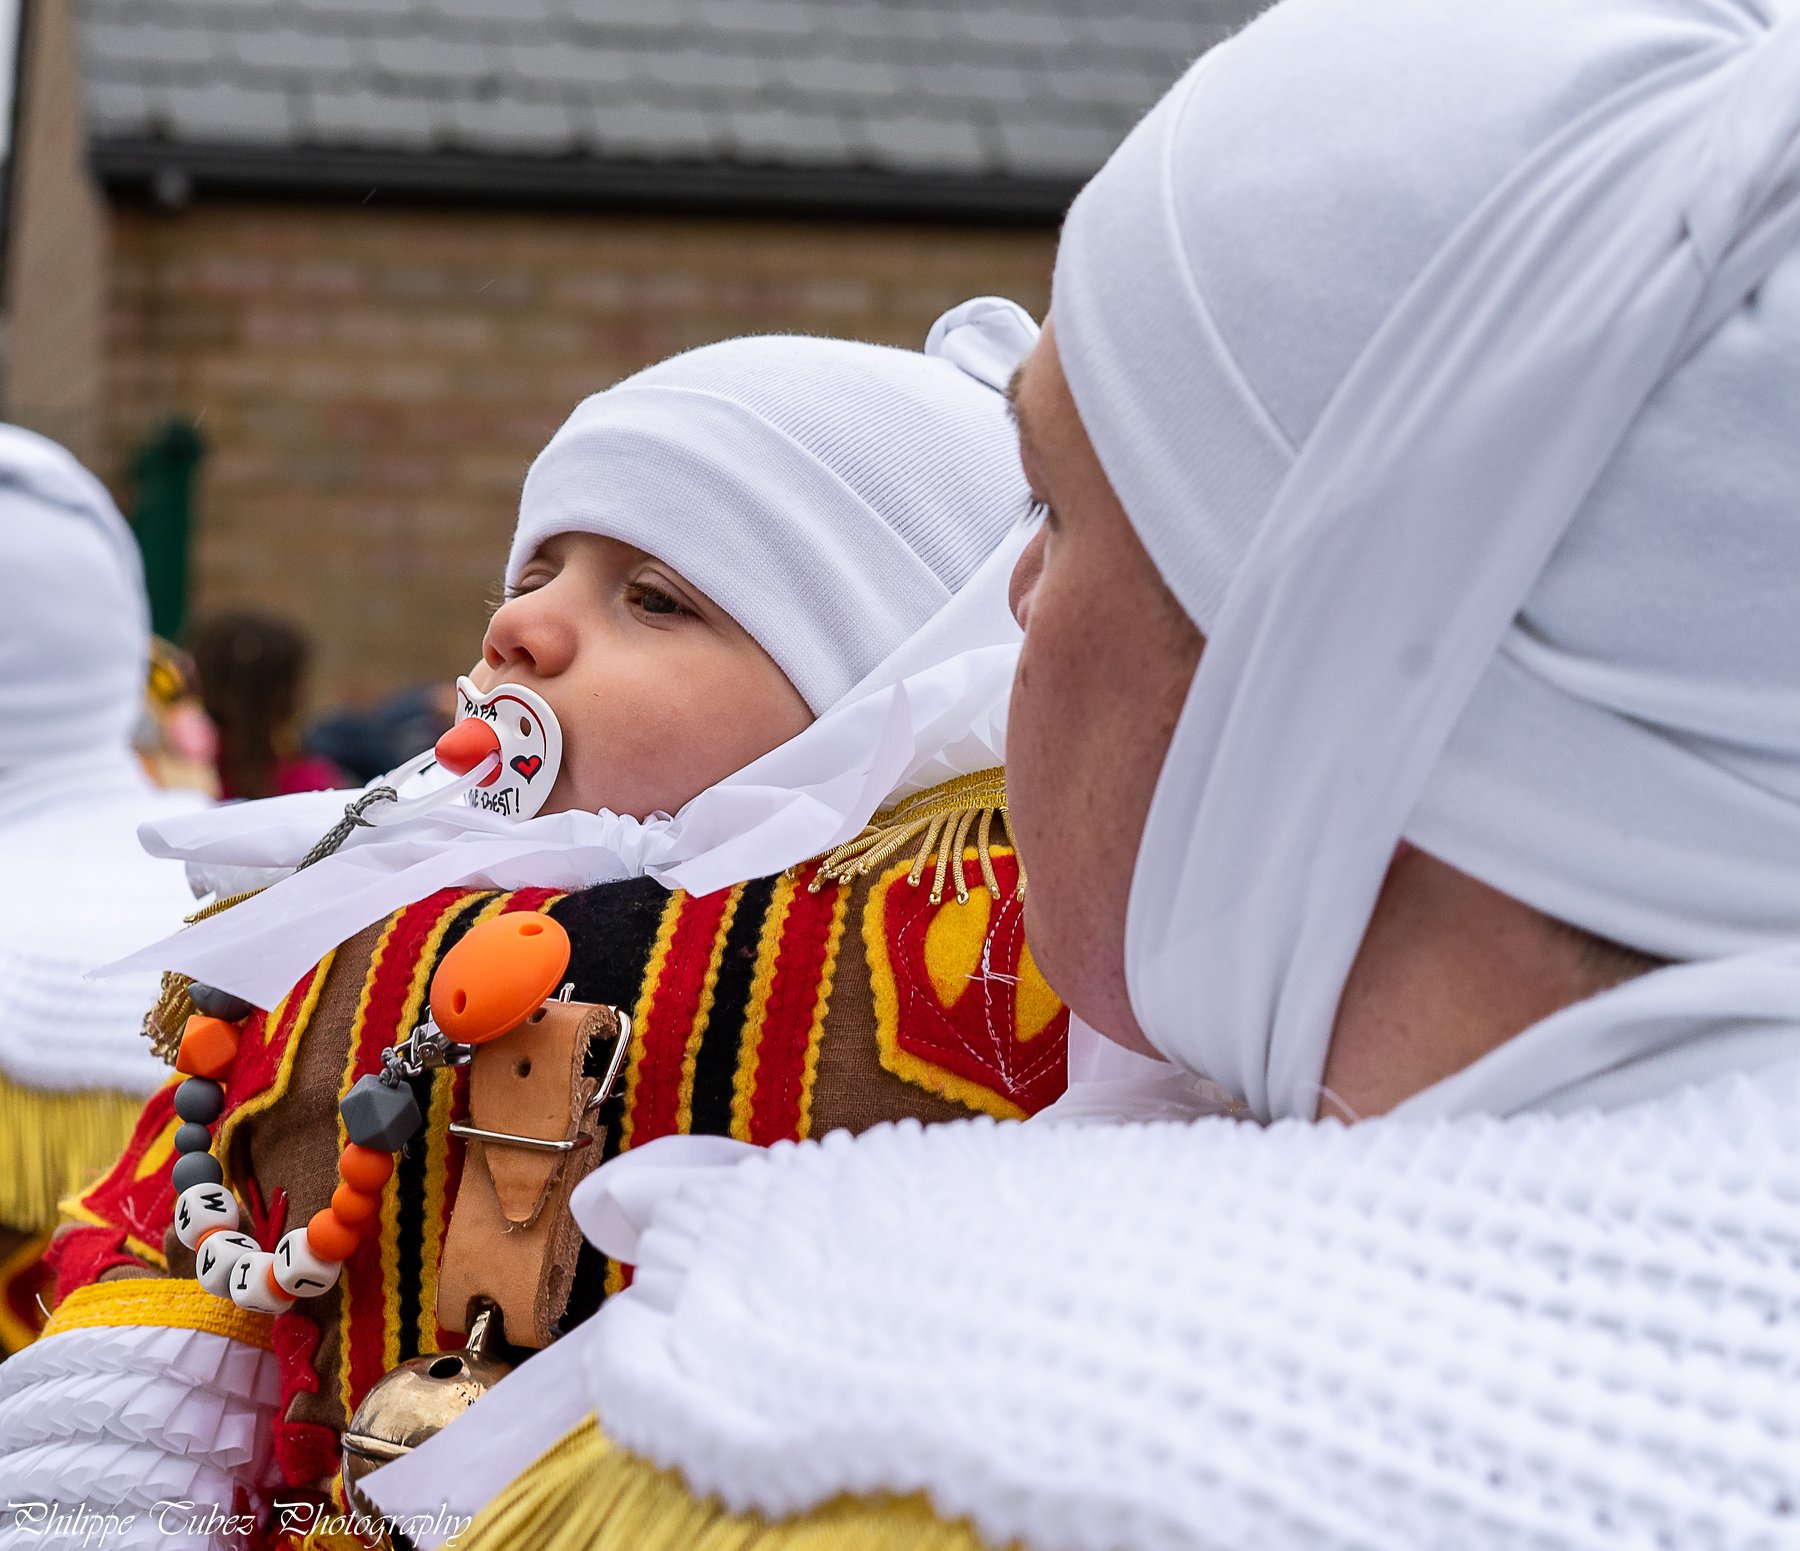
{"points": [[498, 977]]}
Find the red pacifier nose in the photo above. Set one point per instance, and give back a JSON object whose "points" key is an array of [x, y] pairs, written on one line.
{"points": [[465, 745]]}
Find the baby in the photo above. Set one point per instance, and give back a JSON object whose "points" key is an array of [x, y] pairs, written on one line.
{"points": [[716, 550]]}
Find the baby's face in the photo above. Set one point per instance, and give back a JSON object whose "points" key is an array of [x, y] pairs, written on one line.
{"points": [[659, 692]]}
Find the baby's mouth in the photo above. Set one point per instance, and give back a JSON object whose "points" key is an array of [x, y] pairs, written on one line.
{"points": [[512, 729]]}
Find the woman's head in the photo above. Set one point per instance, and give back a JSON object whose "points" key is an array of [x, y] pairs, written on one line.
{"points": [[712, 552], [1240, 297]]}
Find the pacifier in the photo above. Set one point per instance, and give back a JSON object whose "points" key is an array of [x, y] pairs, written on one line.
{"points": [[514, 724]]}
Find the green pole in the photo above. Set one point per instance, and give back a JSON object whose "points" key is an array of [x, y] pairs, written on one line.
{"points": [[164, 469]]}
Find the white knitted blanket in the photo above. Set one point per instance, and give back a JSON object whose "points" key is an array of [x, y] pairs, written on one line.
{"points": [[1547, 1331]]}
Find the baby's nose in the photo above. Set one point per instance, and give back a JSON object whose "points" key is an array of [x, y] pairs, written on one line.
{"points": [[530, 633]]}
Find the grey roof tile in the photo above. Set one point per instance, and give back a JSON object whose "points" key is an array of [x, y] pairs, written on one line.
{"points": [[785, 136], [568, 63], [1011, 27], [1042, 88], [144, 42], [877, 22], [624, 127], [362, 116], [512, 126], [667, 17], [220, 111], [841, 75], [422, 57], [1065, 146], [760, 18], [910, 141], [712, 70], [303, 53], [114, 105]]}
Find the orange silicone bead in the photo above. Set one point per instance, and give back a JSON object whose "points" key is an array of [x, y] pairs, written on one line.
{"points": [[498, 976], [365, 1169], [330, 1237], [348, 1204], [208, 1047], [276, 1287]]}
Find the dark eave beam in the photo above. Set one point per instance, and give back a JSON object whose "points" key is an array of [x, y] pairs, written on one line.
{"points": [[172, 174]]}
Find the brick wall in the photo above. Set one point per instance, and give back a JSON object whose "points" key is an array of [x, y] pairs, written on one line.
{"points": [[372, 382], [53, 381]]}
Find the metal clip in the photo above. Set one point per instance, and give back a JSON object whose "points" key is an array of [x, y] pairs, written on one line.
{"points": [[426, 1047], [512, 1139]]}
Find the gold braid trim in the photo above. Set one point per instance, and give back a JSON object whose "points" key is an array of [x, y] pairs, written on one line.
{"points": [[937, 822], [585, 1495], [178, 1303], [165, 1021], [53, 1143]]}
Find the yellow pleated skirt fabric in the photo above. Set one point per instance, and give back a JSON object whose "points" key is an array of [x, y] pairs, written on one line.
{"points": [[585, 1495]]}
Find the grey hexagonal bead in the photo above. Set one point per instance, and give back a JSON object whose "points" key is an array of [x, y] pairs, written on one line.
{"points": [[378, 1116], [219, 1004], [196, 1168], [200, 1099], [191, 1136]]}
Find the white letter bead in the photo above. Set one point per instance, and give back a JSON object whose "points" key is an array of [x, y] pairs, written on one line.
{"points": [[214, 1259], [299, 1270], [250, 1287], [201, 1208]]}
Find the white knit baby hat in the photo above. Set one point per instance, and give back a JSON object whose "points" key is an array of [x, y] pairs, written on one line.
{"points": [[829, 495], [1465, 430]]}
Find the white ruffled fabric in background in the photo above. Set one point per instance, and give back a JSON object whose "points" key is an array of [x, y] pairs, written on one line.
{"points": [[125, 1419], [79, 892]]}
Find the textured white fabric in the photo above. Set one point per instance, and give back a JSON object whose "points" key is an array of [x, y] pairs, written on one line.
{"points": [[830, 496], [946, 716], [74, 624], [79, 892], [1546, 366], [1549, 1331], [128, 1419]]}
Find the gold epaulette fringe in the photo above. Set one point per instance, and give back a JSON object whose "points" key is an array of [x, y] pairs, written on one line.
{"points": [[168, 1017], [585, 1495], [939, 821], [55, 1143]]}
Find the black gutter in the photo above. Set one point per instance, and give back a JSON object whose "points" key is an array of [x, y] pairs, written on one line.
{"points": [[170, 174]]}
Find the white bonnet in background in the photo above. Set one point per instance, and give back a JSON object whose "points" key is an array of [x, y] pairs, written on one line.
{"points": [[74, 623], [829, 495]]}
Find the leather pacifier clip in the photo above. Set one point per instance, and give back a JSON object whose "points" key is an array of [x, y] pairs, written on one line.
{"points": [[532, 1134]]}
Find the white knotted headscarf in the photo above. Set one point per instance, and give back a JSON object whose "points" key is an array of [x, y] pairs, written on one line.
{"points": [[74, 653], [930, 695], [1465, 433], [76, 644]]}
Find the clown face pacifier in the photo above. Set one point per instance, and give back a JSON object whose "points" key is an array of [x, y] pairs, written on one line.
{"points": [[516, 724]]}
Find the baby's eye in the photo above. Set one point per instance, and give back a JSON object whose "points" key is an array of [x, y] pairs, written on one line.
{"points": [[652, 600]]}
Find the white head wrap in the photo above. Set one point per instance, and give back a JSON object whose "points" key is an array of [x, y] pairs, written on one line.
{"points": [[829, 496], [75, 648], [932, 703], [1463, 430]]}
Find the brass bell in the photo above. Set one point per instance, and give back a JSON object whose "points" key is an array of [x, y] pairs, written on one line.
{"points": [[418, 1400]]}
